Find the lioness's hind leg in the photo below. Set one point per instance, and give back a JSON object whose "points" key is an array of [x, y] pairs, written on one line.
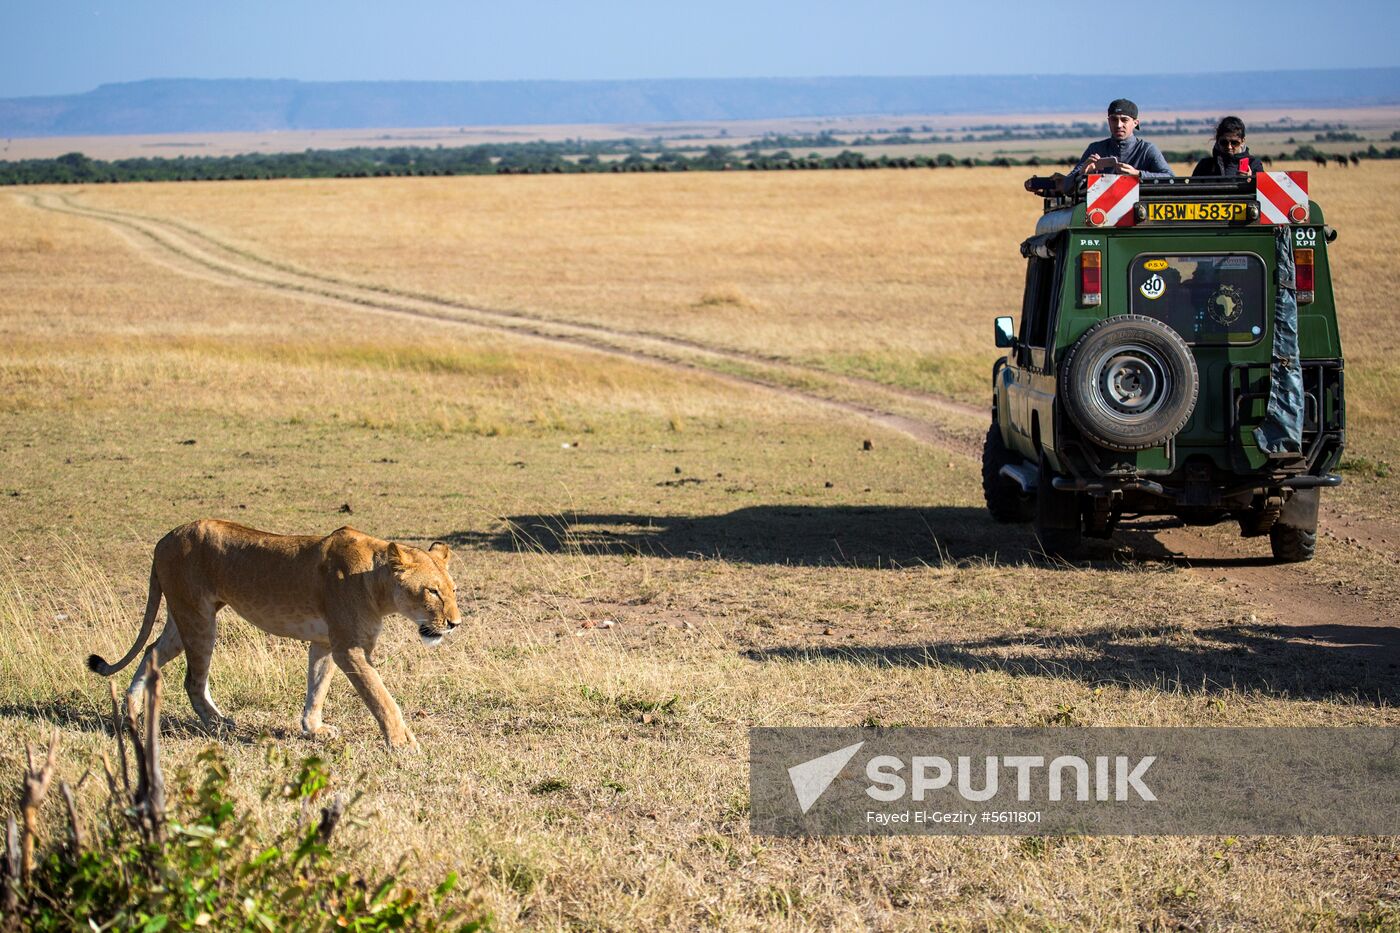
{"points": [[167, 648], [318, 682], [197, 630]]}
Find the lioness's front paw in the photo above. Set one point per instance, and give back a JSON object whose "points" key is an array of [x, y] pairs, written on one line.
{"points": [[323, 731], [407, 742]]}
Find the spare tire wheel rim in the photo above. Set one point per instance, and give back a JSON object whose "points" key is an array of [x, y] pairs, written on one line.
{"points": [[1133, 383]]}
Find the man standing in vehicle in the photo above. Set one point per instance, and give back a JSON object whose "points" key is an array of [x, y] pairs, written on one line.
{"points": [[1122, 153]]}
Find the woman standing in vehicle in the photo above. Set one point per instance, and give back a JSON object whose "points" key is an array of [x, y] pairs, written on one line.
{"points": [[1231, 154]]}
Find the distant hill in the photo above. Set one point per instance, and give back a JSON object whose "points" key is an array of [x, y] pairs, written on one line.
{"points": [[193, 106]]}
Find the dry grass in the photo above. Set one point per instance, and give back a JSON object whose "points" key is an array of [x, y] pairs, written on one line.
{"points": [[762, 567], [889, 275], [795, 264]]}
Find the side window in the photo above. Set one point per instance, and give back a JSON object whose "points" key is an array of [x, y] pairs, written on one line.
{"points": [[1037, 303], [1030, 310]]}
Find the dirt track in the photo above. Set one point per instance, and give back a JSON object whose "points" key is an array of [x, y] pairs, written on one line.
{"points": [[1297, 596], [178, 246]]}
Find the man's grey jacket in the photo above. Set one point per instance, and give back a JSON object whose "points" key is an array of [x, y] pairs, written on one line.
{"points": [[1139, 153]]}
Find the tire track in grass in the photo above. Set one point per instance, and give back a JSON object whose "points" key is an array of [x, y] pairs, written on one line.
{"points": [[195, 253], [248, 259]]}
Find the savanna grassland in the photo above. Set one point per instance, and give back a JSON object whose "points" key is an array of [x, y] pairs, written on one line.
{"points": [[761, 565]]}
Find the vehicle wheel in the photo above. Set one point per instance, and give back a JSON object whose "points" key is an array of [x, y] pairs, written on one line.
{"points": [[1005, 500], [1294, 536], [1129, 383], [1292, 545], [1058, 523]]}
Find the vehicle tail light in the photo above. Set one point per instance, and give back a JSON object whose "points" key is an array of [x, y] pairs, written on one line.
{"points": [[1090, 283], [1304, 278]]}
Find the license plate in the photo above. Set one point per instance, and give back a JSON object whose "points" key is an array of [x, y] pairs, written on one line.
{"points": [[1188, 211]]}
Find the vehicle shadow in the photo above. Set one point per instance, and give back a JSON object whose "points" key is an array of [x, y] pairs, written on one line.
{"points": [[866, 536], [1139, 538], [1320, 662]]}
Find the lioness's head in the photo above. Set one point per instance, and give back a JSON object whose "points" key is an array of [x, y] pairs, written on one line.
{"points": [[423, 589]]}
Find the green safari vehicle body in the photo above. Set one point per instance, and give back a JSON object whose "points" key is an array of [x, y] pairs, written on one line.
{"points": [[1153, 364]]}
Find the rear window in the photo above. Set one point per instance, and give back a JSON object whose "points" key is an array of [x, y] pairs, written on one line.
{"points": [[1211, 300]]}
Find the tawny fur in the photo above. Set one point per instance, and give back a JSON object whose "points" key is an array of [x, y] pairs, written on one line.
{"points": [[332, 592]]}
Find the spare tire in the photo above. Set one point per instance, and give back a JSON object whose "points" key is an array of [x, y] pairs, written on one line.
{"points": [[1129, 383]]}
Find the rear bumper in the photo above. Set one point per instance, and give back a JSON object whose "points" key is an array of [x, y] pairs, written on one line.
{"points": [[1170, 497], [1151, 487]]}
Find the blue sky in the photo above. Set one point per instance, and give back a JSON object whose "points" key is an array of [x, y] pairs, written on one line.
{"points": [[60, 47]]}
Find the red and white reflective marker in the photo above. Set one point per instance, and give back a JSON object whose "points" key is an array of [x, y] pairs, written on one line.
{"points": [[1111, 199], [1282, 196]]}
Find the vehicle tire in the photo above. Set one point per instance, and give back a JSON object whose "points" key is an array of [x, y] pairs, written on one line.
{"points": [[1130, 383], [1005, 500], [1058, 522], [1292, 545], [1293, 536]]}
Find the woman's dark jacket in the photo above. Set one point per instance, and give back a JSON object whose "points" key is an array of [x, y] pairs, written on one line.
{"points": [[1226, 164]]}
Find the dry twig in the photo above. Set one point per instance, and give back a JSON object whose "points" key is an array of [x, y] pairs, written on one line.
{"points": [[154, 800], [149, 801], [330, 818], [10, 900], [36, 786], [75, 826], [117, 730]]}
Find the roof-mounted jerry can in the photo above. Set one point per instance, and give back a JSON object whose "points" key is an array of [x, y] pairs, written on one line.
{"points": [[1177, 354]]}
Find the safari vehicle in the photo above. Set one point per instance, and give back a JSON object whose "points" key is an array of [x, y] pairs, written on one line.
{"points": [[1177, 355]]}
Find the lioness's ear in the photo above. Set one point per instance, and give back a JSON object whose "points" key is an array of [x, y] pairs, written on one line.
{"points": [[398, 557], [441, 551]]}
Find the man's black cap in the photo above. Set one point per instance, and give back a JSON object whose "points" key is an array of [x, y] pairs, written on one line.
{"points": [[1124, 106]]}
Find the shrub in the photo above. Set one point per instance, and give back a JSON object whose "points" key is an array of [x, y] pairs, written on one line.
{"points": [[202, 863]]}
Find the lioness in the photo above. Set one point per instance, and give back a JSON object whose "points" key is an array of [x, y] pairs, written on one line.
{"points": [[332, 592]]}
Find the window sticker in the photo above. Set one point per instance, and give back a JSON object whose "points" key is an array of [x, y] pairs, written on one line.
{"points": [[1153, 288], [1155, 265], [1226, 304]]}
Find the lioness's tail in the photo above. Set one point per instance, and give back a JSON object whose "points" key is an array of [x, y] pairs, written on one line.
{"points": [[95, 663]]}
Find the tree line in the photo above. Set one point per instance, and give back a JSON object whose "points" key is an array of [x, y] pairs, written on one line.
{"points": [[525, 158]]}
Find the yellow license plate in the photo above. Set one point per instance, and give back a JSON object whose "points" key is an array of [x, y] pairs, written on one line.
{"points": [[1188, 211]]}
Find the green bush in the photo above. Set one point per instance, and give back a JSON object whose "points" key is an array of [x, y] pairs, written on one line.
{"points": [[210, 868]]}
